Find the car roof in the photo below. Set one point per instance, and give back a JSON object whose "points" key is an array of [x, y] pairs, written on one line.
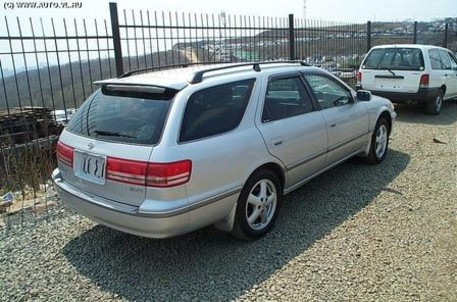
{"points": [[179, 78], [418, 46]]}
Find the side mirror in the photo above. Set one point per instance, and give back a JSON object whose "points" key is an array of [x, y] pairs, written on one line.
{"points": [[363, 95]]}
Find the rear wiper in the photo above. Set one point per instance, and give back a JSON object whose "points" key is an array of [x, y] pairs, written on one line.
{"points": [[109, 133], [389, 70]]}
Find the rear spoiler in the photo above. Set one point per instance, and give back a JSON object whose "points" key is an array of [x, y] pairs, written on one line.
{"points": [[136, 90]]}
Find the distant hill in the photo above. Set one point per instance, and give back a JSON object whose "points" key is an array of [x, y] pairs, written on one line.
{"points": [[69, 85]]}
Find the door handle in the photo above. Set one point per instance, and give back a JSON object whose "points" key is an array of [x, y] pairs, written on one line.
{"points": [[277, 143]]}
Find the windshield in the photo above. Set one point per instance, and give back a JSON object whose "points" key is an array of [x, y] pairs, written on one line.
{"points": [[394, 59], [130, 118]]}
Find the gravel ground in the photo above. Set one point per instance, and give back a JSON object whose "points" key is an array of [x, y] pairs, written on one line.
{"points": [[358, 232]]}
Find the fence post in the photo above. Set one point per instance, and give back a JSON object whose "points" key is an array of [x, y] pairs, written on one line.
{"points": [[368, 36], [116, 38], [446, 29], [291, 38], [415, 33]]}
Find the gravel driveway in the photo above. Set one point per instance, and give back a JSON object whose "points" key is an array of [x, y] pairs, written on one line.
{"points": [[358, 232]]}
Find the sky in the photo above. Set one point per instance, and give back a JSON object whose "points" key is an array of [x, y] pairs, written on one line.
{"points": [[329, 10]]}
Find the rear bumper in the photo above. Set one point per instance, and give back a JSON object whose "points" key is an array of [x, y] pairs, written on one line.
{"points": [[129, 219], [423, 95]]}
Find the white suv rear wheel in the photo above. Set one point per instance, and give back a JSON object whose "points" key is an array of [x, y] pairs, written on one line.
{"points": [[434, 105]]}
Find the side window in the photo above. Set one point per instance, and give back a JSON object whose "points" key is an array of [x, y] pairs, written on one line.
{"points": [[435, 59], [215, 110], [328, 92], [446, 62], [453, 62], [285, 97]]}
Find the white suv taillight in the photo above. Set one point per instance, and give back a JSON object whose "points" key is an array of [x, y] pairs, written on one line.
{"points": [[424, 81], [162, 175], [359, 77], [65, 154]]}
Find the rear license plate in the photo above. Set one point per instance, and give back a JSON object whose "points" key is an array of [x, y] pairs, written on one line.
{"points": [[90, 167], [388, 83]]}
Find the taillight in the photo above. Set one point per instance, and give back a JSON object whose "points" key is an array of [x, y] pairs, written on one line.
{"points": [[148, 174], [126, 171], [424, 81], [359, 77], [168, 174], [65, 154]]}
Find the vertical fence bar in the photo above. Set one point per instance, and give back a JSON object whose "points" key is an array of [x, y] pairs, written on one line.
{"points": [[144, 40], [135, 39], [291, 37], [80, 60], [415, 33], [70, 65], [59, 68], [51, 89], [368, 35], [164, 32], [108, 49], [98, 51], [24, 58], [116, 38], [19, 99], [150, 39], [446, 29], [159, 62], [127, 40], [88, 56]]}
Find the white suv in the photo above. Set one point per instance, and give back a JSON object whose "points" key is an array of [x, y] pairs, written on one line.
{"points": [[410, 73]]}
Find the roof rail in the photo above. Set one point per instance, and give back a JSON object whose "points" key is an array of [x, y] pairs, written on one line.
{"points": [[197, 77], [182, 65]]}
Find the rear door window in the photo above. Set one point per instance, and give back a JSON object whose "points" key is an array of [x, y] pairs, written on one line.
{"points": [[446, 62], [215, 110], [136, 118], [394, 58], [439, 59], [285, 97]]}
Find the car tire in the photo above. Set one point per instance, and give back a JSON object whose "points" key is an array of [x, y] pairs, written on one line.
{"points": [[258, 205], [379, 142], [434, 106]]}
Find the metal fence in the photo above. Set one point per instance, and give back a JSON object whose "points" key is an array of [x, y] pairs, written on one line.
{"points": [[48, 67]]}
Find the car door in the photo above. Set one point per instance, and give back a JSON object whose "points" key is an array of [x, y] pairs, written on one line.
{"points": [[293, 130], [346, 120], [440, 65], [451, 82]]}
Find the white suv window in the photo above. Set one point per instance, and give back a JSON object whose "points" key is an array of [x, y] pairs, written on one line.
{"points": [[439, 59], [394, 58], [445, 59], [453, 62]]}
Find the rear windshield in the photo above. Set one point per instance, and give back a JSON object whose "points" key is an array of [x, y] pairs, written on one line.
{"points": [[394, 58], [130, 118]]}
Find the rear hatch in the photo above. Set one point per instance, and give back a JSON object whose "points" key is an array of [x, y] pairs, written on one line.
{"points": [[106, 147], [392, 69]]}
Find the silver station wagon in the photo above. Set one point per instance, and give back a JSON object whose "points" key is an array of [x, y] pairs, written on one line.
{"points": [[165, 153]]}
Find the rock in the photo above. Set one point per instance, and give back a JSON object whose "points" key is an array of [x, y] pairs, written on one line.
{"points": [[439, 141]]}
